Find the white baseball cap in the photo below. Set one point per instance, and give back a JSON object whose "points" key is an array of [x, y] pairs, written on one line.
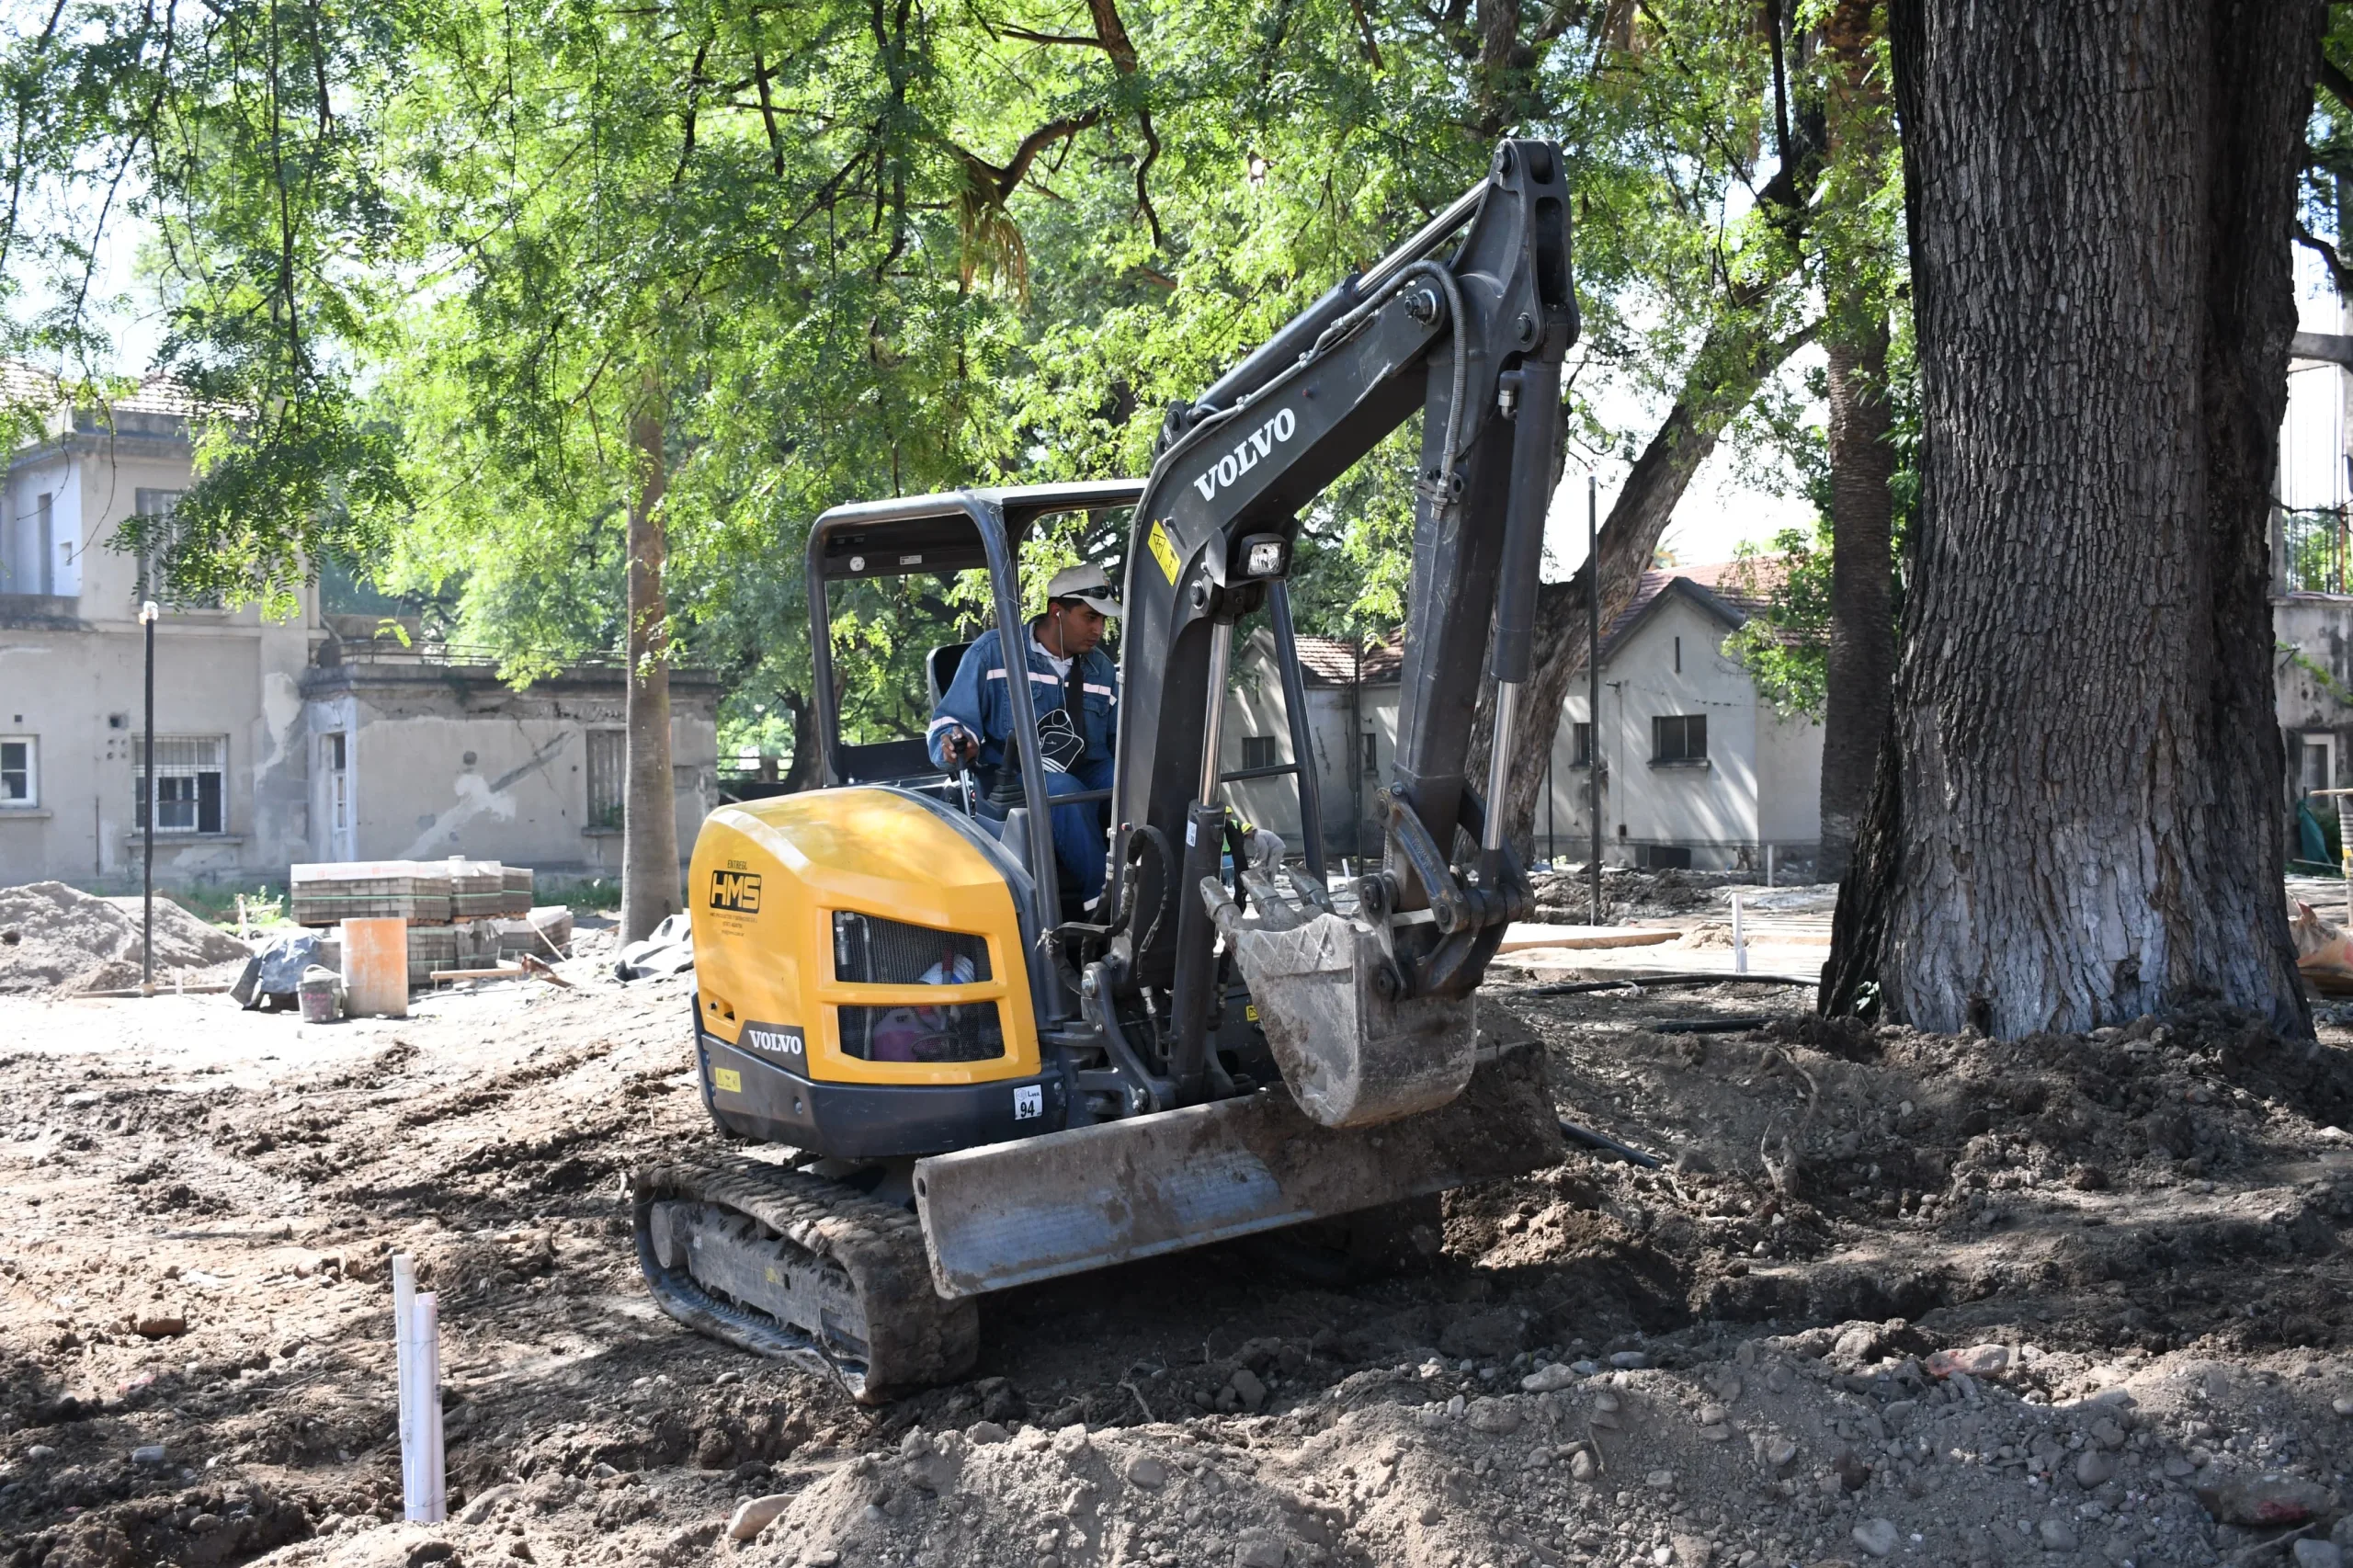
{"points": [[1088, 585]]}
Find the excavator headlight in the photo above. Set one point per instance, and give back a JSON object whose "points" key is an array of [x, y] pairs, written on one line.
{"points": [[1264, 557]]}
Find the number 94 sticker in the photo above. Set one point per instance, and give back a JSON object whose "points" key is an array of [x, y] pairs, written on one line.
{"points": [[1028, 1102]]}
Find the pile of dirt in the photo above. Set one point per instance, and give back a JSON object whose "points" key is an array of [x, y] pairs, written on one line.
{"points": [[2072, 1302], [55, 938]]}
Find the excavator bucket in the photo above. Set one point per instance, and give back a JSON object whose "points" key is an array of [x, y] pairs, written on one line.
{"points": [[1013, 1213], [1352, 1055]]}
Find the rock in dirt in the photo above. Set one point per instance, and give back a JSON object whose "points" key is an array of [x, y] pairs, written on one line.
{"points": [[1256, 1549], [1876, 1535], [2310, 1553], [753, 1517], [1977, 1361], [2266, 1500], [1555, 1376], [148, 1454], [2093, 1469], [1147, 1472], [2056, 1534], [1691, 1551], [57, 939]]}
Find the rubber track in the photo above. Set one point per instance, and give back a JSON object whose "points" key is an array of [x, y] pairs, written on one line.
{"points": [[916, 1338]]}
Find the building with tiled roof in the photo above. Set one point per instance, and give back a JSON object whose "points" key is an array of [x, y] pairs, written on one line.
{"points": [[1695, 770]]}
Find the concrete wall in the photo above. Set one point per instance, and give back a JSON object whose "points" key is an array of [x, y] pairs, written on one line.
{"points": [[443, 761]]}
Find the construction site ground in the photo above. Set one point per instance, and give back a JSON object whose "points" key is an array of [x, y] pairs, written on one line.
{"points": [[2135, 1238]]}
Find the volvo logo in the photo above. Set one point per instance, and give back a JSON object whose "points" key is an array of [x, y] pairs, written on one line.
{"points": [[1246, 453], [770, 1040]]}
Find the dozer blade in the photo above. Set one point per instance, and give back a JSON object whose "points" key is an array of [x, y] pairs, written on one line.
{"points": [[1352, 1055], [1012, 1213]]}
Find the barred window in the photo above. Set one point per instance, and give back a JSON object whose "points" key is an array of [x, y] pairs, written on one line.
{"points": [[1580, 744], [608, 776], [190, 772], [1258, 751]]}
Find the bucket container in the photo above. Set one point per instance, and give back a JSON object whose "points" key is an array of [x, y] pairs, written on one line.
{"points": [[317, 988], [375, 968]]}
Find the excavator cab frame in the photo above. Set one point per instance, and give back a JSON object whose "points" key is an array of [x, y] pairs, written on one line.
{"points": [[987, 530]]}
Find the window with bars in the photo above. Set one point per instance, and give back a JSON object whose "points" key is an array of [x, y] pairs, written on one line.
{"points": [[19, 771], [190, 771], [1580, 744], [1371, 762], [1678, 739], [1258, 751], [608, 776]]}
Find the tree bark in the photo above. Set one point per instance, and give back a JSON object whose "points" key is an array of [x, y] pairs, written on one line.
{"points": [[1857, 287], [1860, 667], [808, 770], [2079, 820], [650, 818]]}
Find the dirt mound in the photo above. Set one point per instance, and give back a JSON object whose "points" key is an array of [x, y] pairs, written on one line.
{"points": [[54, 937]]}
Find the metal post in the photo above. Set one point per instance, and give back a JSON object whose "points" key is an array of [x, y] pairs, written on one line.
{"points": [[147, 617], [1303, 744], [1593, 681]]}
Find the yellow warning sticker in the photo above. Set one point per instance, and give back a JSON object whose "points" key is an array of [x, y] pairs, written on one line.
{"points": [[1161, 551], [1250, 1011], [727, 1080]]}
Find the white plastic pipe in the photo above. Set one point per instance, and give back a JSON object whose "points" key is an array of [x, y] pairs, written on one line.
{"points": [[404, 1304], [1739, 940], [421, 1472]]}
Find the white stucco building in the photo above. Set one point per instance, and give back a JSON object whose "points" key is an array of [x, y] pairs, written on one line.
{"points": [[1696, 770], [276, 741]]}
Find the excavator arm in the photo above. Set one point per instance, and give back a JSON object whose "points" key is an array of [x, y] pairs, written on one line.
{"points": [[1373, 1008]]}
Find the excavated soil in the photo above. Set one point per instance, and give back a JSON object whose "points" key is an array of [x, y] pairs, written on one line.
{"points": [[58, 938], [1733, 1359]]}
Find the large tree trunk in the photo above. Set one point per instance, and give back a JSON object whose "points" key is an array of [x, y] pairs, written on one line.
{"points": [[1860, 668], [1861, 664], [650, 818], [2079, 821]]}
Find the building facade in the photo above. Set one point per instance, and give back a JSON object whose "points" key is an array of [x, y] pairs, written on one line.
{"points": [[274, 742], [1696, 771]]}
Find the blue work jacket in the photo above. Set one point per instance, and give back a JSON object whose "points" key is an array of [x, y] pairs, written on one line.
{"points": [[978, 700]]}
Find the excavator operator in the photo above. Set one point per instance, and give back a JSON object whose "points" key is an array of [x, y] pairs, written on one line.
{"points": [[1075, 690]]}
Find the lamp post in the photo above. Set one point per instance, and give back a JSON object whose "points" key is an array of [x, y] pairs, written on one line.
{"points": [[148, 614], [1593, 683]]}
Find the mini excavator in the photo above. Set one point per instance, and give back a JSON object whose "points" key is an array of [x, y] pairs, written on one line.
{"points": [[973, 1088]]}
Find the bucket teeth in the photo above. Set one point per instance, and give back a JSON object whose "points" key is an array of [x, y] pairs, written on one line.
{"points": [[792, 1265]]}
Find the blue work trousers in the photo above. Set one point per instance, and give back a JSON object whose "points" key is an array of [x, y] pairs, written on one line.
{"points": [[1079, 843]]}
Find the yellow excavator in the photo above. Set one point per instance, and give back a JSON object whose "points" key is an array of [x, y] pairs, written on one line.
{"points": [[967, 1087]]}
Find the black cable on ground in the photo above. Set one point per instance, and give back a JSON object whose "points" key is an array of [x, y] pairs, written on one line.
{"points": [[1582, 987], [1608, 1145], [1735, 1025]]}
